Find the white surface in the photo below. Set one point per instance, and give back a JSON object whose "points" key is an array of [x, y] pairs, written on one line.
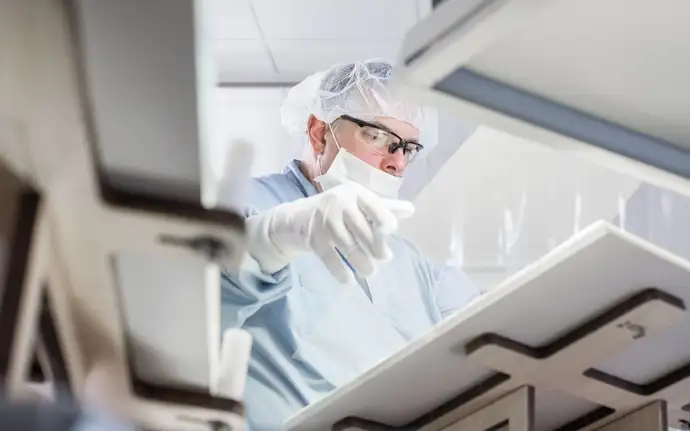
{"points": [[332, 19], [234, 360], [582, 277], [140, 63], [494, 176], [166, 313]]}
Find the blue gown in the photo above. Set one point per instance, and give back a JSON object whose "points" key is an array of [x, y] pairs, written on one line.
{"points": [[310, 333]]}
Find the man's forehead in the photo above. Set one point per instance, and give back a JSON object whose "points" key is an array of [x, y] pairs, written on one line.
{"points": [[405, 130]]}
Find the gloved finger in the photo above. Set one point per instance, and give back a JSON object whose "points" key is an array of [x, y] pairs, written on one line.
{"points": [[378, 213], [360, 260], [401, 209], [364, 233], [334, 263], [344, 241], [380, 244], [337, 232]]}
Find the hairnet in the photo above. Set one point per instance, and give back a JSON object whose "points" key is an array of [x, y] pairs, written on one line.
{"points": [[361, 90]]}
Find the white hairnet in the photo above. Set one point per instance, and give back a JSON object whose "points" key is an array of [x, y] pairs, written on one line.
{"points": [[361, 90]]}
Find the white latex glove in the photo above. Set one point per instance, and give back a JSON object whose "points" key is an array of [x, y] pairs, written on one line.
{"points": [[348, 217]]}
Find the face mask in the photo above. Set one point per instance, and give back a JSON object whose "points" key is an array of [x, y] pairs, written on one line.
{"points": [[347, 167]]}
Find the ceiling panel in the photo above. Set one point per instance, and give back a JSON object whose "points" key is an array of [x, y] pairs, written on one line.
{"points": [[297, 58], [335, 19], [243, 60], [233, 19]]}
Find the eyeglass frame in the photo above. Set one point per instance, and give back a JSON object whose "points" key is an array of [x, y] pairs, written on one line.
{"points": [[395, 146]]}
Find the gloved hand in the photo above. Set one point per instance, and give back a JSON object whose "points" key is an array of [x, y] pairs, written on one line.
{"points": [[349, 218]]}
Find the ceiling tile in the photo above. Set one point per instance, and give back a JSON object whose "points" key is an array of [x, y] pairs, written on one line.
{"points": [[243, 60], [331, 19], [298, 58], [233, 19]]}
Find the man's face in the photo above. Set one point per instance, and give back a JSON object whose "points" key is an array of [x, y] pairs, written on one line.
{"points": [[370, 144]]}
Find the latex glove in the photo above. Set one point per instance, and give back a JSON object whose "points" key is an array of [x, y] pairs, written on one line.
{"points": [[349, 218]]}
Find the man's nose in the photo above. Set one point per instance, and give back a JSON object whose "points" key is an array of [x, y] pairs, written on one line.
{"points": [[395, 163]]}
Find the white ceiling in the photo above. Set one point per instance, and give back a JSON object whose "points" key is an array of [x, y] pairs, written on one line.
{"points": [[260, 42], [283, 41]]}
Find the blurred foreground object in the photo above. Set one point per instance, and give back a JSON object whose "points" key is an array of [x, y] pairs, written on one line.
{"points": [[99, 174]]}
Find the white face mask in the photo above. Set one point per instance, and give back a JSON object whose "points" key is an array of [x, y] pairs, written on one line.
{"points": [[347, 167]]}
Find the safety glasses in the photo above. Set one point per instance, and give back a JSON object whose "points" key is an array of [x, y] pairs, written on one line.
{"points": [[383, 141]]}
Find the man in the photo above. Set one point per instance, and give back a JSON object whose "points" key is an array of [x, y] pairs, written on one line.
{"points": [[328, 289]]}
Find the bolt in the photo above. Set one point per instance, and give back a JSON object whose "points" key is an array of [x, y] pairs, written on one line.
{"points": [[209, 247]]}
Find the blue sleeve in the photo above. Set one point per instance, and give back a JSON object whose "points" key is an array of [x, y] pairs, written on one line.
{"points": [[452, 289], [245, 290]]}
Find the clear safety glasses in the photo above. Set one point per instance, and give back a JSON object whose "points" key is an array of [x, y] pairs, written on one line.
{"points": [[384, 141]]}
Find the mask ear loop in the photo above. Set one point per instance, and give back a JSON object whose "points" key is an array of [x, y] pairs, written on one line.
{"points": [[318, 157], [318, 161], [334, 139]]}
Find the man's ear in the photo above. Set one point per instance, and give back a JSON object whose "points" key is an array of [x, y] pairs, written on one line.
{"points": [[316, 130]]}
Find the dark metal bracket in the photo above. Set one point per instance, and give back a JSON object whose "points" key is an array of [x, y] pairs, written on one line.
{"points": [[570, 355]]}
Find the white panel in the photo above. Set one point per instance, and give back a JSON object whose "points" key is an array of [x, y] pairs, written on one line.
{"points": [[495, 176], [243, 60], [233, 19], [297, 59], [253, 114], [141, 65], [487, 279], [164, 305], [424, 8], [451, 133], [335, 19]]}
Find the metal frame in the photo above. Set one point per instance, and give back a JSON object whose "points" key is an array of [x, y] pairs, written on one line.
{"points": [[566, 364]]}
